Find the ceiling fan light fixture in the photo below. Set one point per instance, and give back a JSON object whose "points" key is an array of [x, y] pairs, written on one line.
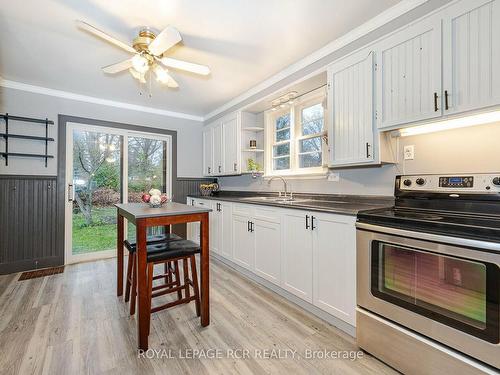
{"points": [[161, 74], [139, 76], [140, 63]]}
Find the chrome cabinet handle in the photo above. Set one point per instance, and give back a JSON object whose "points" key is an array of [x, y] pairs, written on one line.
{"points": [[209, 170], [368, 145], [235, 167], [219, 169]]}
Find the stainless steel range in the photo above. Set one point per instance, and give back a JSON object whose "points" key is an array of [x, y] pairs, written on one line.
{"points": [[429, 275]]}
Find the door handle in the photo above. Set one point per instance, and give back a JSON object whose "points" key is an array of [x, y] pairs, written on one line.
{"points": [[446, 104], [368, 150], [220, 169], [192, 202], [312, 223], [251, 227], [209, 170], [307, 221], [436, 102], [70, 193], [248, 226], [235, 166]]}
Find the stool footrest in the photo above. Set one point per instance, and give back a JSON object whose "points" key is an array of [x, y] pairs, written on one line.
{"points": [[172, 304], [164, 286], [170, 290]]}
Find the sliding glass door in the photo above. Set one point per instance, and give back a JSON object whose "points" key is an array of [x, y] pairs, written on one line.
{"points": [[106, 166]]}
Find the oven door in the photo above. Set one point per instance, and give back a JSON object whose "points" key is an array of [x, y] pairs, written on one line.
{"points": [[442, 287]]}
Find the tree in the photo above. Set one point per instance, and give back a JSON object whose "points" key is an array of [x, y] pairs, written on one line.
{"points": [[92, 151]]}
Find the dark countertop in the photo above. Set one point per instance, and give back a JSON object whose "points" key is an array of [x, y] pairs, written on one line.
{"points": [[332, 203]]}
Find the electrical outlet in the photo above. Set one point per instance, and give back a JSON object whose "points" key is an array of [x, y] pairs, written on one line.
{"points": [[334, 177], [409, 152]]}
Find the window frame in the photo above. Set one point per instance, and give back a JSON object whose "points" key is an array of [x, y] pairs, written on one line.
{"points": [[316, 97]]}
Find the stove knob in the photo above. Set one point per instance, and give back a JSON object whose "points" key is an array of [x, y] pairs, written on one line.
{"points": [[407, 182], [420, 181], [496, 181]]}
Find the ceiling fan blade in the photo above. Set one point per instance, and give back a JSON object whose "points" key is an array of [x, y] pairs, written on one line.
{"points": [[168, 38], [172, 83], [101, 34], [118, 67], [184, 65]]}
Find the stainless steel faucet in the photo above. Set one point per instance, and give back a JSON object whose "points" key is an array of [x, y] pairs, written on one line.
{"points": [[285, 197]]}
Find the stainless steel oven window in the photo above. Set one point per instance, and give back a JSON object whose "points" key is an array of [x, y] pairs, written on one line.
{"points": [[461, 293]]}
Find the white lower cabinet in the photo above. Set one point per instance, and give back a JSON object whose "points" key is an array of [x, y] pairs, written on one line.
{"points": [[297, 254], [243, 242], [334, 265], [309, 254]]}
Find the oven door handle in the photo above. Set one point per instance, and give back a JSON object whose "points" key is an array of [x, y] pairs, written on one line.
{"points": [[487, 245]]}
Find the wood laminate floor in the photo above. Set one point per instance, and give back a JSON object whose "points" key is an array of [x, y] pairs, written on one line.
{"points": [[73, 323]]}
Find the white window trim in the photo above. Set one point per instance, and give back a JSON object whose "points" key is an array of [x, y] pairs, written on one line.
{"points": [[316, 96]]}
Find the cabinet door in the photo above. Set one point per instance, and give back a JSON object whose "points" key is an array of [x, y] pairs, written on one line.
{"points": [[226, 245], [334, 265], [409, 74], [231, 164], [243, 242], [218, 150], [215, 224], [471, 55], [208, 168], [297, 255], [267, 250], [194, 228], [351, 110]]}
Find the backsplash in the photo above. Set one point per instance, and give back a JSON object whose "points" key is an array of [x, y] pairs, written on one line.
{"points": [[466, 150]]}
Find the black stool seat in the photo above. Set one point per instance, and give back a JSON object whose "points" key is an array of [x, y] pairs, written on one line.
{"points": [[131, 245], [162, 251]]}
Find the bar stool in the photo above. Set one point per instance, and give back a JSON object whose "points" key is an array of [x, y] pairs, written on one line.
{"points": [[170, 269], [165, 252]]}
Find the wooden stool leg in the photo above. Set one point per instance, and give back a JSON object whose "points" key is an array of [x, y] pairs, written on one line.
{"points": [[129, 276], [194, 277], [186, 278], [178, 279], [134, 283], [166, 271], [150, 292]]}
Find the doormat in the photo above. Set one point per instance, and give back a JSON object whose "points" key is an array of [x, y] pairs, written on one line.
{"points": [[41, 273]]}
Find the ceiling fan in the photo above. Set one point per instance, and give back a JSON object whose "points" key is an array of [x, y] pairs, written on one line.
{"points": [[148, 49]]}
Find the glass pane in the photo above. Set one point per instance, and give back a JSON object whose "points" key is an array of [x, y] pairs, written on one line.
{"points": [[452, 287], [281, 163], [283, 135], [312, 127], [283, 121], [281, 150], [96, 180], [146, 171], [310, 160], [310, 145]]}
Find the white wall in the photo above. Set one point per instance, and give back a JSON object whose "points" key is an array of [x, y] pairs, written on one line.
{"points": [[21, 103], [467, 150]]}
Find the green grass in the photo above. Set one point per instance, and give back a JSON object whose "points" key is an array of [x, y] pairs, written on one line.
{"points": [[100, 236]]}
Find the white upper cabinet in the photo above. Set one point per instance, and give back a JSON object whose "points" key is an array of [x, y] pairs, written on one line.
{"points": [[208, 169], [471, 55], [409, 74], [351, 113], [218, 149], [230, 131], [222, 153]]}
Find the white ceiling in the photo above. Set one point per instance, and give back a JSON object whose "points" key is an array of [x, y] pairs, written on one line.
{"points": [[243, 42]]}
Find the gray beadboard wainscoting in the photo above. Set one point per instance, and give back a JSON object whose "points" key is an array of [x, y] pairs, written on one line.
{"points": [[29, 237]]}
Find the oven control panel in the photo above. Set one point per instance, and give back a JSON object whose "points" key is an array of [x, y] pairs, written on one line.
{"points": [[463, 183], [456, 182]]}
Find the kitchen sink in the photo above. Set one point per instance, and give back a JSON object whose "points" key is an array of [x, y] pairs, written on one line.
{"points": [[274, 199]]}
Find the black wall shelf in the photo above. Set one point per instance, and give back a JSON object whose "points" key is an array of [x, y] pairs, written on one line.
{"points": [[8, 135]]}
